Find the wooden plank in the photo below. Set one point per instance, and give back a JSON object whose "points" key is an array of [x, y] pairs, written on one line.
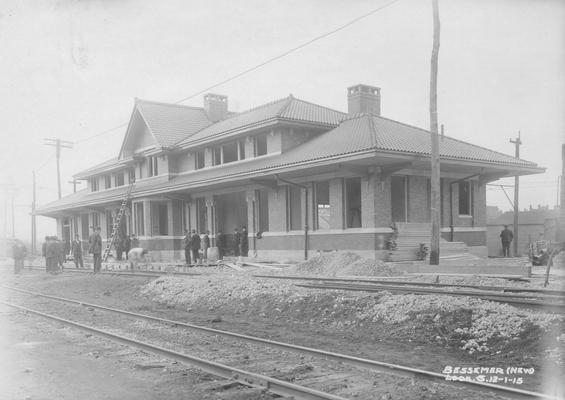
{"points": [[233, 266], [262, 265]]}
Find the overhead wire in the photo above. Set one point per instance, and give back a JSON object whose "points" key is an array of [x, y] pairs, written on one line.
{"points": [[262, 64]]}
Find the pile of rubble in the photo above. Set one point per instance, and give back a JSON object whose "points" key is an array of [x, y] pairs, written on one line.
{"points": [[472, 325], [343, 264]]}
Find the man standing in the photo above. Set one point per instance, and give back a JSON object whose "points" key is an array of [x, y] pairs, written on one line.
{"points": [[119, 245], [19, 253], [244, 244], [52, 254], [236, 242], [506, 237], [127, 245], [95, 248], [186, 247], [76, 248], [61, 253], [205, 245], [44, 253], [195, 245], [220, 243]]}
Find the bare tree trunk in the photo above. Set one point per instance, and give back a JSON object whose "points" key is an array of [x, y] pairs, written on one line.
{"points": [[435, 179]]}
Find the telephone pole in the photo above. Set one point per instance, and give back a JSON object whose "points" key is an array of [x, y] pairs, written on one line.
{"points": [[58, 143], [435, 178], [517, 143], [75, 183], [33, 224]]}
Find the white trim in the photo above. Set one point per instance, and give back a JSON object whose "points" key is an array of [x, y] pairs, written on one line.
{"points": [[142, 150], [465, 216], [238, 162], [465, 229], [330, 232]]}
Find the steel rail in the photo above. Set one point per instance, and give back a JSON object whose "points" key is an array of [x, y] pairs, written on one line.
{"points": [[556, 306], [247, 378], [152, 273], [378, 366], [412, 283]]}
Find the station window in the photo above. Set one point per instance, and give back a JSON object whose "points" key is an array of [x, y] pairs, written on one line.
{"points": [[131, 175], [260, 145], [139, 219], [322, 198], [217, 156], [94, 184], [152, 166], [465, 197], [107, 181], [294, 208], [199, 159], [353, 202], [241, 150], [263, 212], [109, 223], [202, 215], [230, 152], [95, 217], [119, 179], [85, 232], [159, 219]]}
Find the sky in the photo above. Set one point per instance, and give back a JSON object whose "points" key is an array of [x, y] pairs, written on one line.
{"points": [[71, 69]]}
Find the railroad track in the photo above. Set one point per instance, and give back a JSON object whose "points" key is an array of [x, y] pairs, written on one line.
{"points": [[140, 273], [248, 378], [503, 289], [546, 300]]}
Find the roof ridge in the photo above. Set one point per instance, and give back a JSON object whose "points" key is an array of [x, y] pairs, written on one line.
{"points": [[289, 100], [161, 103], [270, 103], [318, 105], [452, 138]]}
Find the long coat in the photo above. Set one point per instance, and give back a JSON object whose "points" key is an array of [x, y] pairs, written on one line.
{"points": [[244, 244], [95, 244], [236, 243], [77, 248]]}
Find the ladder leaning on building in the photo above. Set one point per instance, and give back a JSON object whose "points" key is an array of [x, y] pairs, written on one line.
{"points": [[117, 221]]}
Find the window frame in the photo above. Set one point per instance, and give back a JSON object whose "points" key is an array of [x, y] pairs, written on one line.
{"points": [[317, 205], [256, 145], [199, 156], [346, 203], [469, 198]]}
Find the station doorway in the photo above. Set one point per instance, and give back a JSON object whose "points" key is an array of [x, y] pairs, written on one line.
{"points": [[231, 213]]}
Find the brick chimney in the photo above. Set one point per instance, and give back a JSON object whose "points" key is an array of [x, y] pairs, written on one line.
{"points": [[363, 99], [216, 106]]}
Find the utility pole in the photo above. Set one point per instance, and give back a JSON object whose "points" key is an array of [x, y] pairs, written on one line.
{"points": [[435, 178], [13, 220], [58, 143], [517, 142], [75, 183], [33, 224]]}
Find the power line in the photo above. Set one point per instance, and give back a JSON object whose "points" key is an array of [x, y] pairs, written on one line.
{"points": [[270, 60]]}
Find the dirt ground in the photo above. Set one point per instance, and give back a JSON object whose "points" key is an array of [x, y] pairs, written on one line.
{"points": [[41, 360]]}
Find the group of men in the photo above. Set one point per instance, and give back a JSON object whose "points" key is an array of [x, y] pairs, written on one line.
{"points": [[125, 244], [54, 252], [196, 246], [19, 252]]}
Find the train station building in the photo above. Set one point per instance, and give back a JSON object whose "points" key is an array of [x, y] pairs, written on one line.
{"points": [[301, 177]]}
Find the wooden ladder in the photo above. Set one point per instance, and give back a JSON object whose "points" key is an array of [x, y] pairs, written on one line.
{"points": [[117, 220]]}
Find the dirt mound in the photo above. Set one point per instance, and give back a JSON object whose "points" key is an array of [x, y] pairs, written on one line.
{"points": [[368, 267], [344, 264], [326, 264]]}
